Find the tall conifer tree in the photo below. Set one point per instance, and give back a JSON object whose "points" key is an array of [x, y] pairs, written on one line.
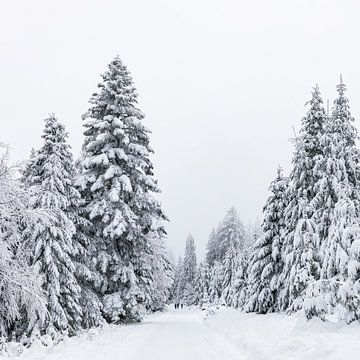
{"points": [[341, 266], [301, 245], [53, 244], [267, 263], [188, 274], [118, 184]]}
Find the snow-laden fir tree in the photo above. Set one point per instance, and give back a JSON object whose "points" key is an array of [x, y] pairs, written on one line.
{"points": [[202, 284], [163, 274], [118, 186], [216, 282], [239, 288], [231, 240], [340, 269], [90, 303], [230, 232], [267, 264], [176, 287], [301, 230], [230, 267], [211, 248], [188, 273], [53, 246], [242, 285], [304, 260]]}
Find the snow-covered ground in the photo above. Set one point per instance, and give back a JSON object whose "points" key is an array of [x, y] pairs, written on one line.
{"points": [[227, 335], [280, 337]]}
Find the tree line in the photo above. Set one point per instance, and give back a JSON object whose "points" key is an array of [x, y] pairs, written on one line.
{"points": [[83, 243], [221, 277], [307, 256]]}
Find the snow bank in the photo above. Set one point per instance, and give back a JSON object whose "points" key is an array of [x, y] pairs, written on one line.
{"points": [[280, 337], [93, 344]]}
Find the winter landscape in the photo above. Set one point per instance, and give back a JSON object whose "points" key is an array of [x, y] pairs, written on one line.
{"points": [[165, 193]]}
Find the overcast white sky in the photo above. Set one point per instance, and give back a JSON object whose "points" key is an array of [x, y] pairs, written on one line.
{"points": [[221, 83]]}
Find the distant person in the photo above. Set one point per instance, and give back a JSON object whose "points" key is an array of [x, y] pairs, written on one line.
{"points": [[182, 305]]}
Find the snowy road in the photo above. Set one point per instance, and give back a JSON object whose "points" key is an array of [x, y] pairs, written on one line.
{"points": [[228, 335], [179, 335], [175, 335]]}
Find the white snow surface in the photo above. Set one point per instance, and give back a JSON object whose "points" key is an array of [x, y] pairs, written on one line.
{"points": [[280, 337], [227, 335]]}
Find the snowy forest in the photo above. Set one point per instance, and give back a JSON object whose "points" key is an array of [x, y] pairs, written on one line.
{"points": [[83, 241], [180, 180], [306, 254]]}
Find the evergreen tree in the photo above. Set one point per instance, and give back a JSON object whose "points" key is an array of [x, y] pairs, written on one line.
{"points": [[188, 274], [216, 282], [230, 234], [202, 284], [304, 257], [117, 184], [231, 245], [211, 248], [52, 242], [267, 263], [239, 289], [340, 271], [301, 231], [230, 267], [176, 288], [163, 273]]}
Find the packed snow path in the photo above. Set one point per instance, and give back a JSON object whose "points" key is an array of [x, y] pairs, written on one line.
{"points": [[175, 335]]}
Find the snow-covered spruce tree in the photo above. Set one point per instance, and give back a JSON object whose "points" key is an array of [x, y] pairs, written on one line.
{"points": [[163, 273], [231, 240], [267, 263], [176, 287], [303, 261], [20, 290], [340, 273], [202, 284], [118, 187], [242, 285], [230, 232], [216, 282], [90, 303], [239, 289], [300, 231], [52, 241], [211, 248], [188, 274]]}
